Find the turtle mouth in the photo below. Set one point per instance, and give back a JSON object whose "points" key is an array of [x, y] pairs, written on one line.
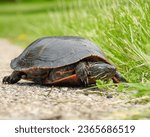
{"points": [[103, 76]]}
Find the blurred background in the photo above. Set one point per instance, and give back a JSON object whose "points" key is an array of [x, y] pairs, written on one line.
{"points": [[120, 27]]}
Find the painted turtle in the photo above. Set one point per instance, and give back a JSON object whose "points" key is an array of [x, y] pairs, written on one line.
{"points": [[62, 60]]}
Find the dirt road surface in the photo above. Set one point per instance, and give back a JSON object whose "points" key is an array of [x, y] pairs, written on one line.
{"points": [[26, 100]]}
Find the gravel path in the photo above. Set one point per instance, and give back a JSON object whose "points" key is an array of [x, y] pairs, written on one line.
{"points": [[29, 101]]}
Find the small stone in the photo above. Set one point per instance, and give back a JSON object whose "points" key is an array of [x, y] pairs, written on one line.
{"points": [[109, 96], [65, 89]]}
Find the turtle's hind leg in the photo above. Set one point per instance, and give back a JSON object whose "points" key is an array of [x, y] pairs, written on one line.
{"points": [[13, 78]]}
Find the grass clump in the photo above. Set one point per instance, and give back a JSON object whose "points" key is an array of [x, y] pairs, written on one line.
{"points": [[138, 89]]}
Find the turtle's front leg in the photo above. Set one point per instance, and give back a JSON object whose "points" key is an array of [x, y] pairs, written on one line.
{"points": [[13, 78], [82, 72]]}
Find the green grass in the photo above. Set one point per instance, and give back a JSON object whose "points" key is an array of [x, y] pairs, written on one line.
{"points": [[120, 27], [140, 116]]}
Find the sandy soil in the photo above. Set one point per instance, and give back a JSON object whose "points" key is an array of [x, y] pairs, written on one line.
{"points": [[26, 100]]}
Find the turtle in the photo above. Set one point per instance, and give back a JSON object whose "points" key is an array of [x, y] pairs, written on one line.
{"points": [[62, 60]]}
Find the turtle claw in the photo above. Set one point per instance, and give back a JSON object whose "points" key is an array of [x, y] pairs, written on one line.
{"points": [[85, 79], [6, 80], [13, 78]]}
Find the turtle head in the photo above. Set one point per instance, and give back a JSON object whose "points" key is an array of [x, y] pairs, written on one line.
{"points": [[102, 71]]}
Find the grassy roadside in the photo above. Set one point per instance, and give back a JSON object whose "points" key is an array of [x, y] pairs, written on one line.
{"points": [[121, 27]]}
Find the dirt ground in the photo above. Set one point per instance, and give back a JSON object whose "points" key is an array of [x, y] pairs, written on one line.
{"points": [[26, 100]]}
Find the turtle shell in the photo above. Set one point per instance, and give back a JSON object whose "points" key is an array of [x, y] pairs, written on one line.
{"points": [[59, 51]]}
